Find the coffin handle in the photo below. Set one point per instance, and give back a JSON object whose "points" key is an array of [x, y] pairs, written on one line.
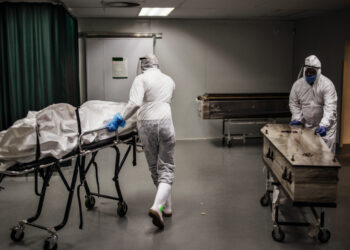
{"points": [[287, 176], [269, 154]]}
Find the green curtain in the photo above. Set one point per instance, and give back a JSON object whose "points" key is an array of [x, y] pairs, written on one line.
{"points": [[38, 59]]}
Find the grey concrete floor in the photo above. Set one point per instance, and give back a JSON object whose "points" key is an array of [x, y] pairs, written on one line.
{"points": [[224, 183]]}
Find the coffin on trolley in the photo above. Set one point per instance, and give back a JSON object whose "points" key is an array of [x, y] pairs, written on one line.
{"points": [[228, 106], [247, 112], [302, 163]]}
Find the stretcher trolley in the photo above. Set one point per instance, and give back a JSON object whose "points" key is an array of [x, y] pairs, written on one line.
{"points": [[129, 138], [45, 167], [299, 165]]}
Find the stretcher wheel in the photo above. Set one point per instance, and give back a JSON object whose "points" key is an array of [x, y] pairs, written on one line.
{"points": [[122, 209], [324, 235], [17, 233], [229, 144], [265, 200], [278, 234], [223, 141], [90, 202], [50, 243]]}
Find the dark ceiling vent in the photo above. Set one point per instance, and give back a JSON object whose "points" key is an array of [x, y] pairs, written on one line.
{"points": [[119, 4]]}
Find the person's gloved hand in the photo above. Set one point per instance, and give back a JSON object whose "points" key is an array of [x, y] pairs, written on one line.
{"points": [[322, 131], [117, 122], [295, 123]]}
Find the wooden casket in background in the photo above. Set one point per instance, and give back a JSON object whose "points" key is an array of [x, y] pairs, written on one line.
{"points": [[302, 163], [243, 105]]}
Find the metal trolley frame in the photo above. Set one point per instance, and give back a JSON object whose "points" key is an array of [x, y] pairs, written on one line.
{"points": [[130, 140], [278, 234], [44, 169]]}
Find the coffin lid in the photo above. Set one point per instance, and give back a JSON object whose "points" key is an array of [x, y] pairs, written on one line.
{"points": [[300, 145]]}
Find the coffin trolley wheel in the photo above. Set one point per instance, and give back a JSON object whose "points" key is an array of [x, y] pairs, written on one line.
{"points": [[324, 235], [223, 141], [229, 143], [90, 202], [17, 233], [122, 209], [265, 200], [278, 234], [51, 243]]}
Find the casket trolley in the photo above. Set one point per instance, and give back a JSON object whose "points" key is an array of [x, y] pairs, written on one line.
{"points": [[300, 164]]}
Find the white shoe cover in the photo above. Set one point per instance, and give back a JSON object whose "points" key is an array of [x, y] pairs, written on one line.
{"points": [[163, 193], [167, 210], [156, 211]]}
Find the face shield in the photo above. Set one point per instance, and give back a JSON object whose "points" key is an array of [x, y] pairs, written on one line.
{"points": [[311, 69], [148, 62], [310, 74], [139, 71]]}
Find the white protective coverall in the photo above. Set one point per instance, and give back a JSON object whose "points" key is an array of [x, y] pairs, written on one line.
{"points": [[151, 94], [315, 105]]}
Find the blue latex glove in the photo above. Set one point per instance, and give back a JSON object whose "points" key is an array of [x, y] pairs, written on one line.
{"points": [[322, 131], [295, 123], [117, 122]]}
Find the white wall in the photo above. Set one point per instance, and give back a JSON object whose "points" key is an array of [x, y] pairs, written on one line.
{"points": [[213, 56], [325, 37], [100, 51]]}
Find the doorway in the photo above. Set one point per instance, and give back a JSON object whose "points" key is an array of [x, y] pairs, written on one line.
{"points": [[345, 114]]}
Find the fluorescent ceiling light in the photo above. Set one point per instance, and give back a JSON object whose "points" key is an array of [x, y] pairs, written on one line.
{"points": [[155, 11]]}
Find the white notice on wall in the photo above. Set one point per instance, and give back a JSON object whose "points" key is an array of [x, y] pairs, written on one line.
{"points": [[119, 68]]}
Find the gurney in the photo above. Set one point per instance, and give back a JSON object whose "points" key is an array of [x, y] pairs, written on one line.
{"points": [[54, 131], [129, 138], [44, 167]]}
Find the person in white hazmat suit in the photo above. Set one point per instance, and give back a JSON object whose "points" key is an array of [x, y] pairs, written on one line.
{"points": [[150, 95], [313, 102]]}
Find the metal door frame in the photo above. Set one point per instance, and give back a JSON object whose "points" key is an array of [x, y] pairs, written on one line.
{"points": [[85, 35]]}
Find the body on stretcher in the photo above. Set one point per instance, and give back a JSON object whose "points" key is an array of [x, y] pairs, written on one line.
{"points": [[45, 167], [54, 131]]}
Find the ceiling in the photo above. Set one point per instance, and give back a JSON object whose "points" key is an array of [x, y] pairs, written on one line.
{"points": [[219, 9]]}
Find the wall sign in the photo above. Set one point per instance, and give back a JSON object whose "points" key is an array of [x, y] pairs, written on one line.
{"points": [[119, 68]]}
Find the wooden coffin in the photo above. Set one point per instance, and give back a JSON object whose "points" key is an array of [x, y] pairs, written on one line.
{"points": [[229, 106], [302, 163]]}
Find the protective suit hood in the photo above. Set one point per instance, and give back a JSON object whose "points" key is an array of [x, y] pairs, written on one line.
{"points": [[149, 62], [313, 62]]}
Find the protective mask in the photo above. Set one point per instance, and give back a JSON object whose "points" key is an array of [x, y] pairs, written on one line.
{"points": [[311, 79]]}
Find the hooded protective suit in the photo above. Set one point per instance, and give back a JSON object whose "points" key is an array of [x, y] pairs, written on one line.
{"points": [[315, 104], [150, 95]]}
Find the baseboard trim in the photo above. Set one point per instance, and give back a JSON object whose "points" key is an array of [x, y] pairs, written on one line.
{"points": [[199, 139]]}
